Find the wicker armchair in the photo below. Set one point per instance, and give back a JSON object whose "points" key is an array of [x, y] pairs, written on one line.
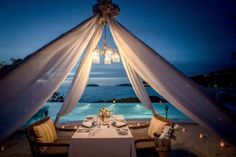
{"points": [[58, 148], [140, 133]]}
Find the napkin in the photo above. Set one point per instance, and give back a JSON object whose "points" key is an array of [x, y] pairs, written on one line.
{"points": [[119, 119], [87, 124], [122, 131]]}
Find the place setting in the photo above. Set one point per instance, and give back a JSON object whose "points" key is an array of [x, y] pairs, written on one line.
{"points": [[93, 124], [88, 125], [122, 131]]}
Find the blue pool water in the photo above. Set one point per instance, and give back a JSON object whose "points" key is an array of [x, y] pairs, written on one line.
{"points": [[131, 111]]}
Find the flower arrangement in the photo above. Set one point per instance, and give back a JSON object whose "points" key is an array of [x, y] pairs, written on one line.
{"points": [[104, 112]]}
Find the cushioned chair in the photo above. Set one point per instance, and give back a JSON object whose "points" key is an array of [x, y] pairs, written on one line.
{"points": [[44, 140], [145, 138]]}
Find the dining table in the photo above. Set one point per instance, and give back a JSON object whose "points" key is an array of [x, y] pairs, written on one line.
{"points": [[102, 139]]}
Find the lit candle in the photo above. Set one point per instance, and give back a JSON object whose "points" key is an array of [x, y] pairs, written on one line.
{"points": [[184, 130], [222, 144], [201, 136]]}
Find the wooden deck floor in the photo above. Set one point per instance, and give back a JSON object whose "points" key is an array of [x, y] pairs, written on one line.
{"points": [[188, 144]]}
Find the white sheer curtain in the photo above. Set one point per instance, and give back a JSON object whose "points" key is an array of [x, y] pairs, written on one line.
{"points": [[81, 77], [137, 84], [25, 89], [170, 83]]}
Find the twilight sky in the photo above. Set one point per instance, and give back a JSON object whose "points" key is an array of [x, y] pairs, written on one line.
{"points": [[196, 36]]}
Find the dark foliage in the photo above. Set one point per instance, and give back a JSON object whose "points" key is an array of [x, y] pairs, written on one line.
{"points": [[92, 85], [57, 97], [5, 68], [133, 100], [225, 78]]}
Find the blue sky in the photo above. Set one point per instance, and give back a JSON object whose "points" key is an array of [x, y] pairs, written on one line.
{"points": [[196, 36]]}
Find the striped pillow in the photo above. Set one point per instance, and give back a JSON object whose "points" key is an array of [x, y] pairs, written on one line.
{"points": [[45, 133], [51, 124]]}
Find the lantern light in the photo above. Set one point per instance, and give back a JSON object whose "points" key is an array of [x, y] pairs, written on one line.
{"points": [[116, 57], [111, 55], [107, 60], [200, 135], [109, 52], [95, 56], [96, 60], [222, 144]]}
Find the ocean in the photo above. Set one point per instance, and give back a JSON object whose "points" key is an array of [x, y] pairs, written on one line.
{"points": [[86, 105], [103, 93]]}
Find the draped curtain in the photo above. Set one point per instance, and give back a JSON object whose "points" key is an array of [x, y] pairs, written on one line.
{"points": [[25, 89], [170, 83], [81, 77], [137, 84]]}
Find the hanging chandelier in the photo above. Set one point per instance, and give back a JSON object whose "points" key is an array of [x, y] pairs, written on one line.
{"points": [[110, 55]]}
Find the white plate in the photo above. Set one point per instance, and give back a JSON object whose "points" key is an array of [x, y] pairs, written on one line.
{"points": [[122, 131], [89, 117]]}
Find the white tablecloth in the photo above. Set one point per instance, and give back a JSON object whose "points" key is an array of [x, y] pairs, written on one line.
{"points": [[106, 142]]}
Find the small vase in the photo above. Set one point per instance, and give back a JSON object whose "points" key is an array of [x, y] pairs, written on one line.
{"points": [[104, 120]]}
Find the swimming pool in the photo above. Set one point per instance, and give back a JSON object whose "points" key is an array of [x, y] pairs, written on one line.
{"points": [[131, 111]]}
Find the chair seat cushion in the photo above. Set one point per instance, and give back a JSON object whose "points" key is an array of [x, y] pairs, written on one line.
{"points": [[138, 136], [143, 145]]}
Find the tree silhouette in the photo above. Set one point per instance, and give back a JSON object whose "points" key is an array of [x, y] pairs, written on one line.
{"points": [[2, 64], [5, 68], [233, 54], [13, 60], [56, 97]]}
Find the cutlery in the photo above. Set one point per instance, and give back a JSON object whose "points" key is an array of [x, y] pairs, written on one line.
{"points": [[83, 130]]}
